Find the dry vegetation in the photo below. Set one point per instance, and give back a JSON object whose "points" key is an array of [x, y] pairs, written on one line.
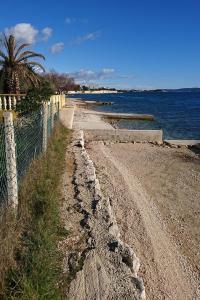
{"points": [[30, 263]]}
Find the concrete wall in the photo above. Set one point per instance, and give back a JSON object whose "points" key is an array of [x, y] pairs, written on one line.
{"points": [[123, 135], [67, 116]]}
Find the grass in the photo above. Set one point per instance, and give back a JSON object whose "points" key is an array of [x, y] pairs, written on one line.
{"points": [[32, 268]]}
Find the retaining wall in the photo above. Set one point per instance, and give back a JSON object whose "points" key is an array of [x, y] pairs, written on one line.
{"points": [[67, 116]]}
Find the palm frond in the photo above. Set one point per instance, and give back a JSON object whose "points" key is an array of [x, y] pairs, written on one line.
{"points": [[25, 53], [20, 48], [30, 56], [33, 63], [9, 44], [6, 45], [15, 64], [2, 54], [12, 45]]}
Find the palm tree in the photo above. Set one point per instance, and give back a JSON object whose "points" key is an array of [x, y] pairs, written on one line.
{"points": [[16, 67]]}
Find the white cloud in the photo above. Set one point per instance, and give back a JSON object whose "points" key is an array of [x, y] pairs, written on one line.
{"points": [[56, 48], [46, 33], [84, 75], [69, 21], [107, 77], [87, 37], [106, 71], [24, 32]]}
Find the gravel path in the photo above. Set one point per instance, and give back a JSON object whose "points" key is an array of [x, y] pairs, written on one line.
{"points": [[155, 194]]}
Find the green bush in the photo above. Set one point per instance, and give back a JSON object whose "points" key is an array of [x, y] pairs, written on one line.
{"points": [[34, 98]]}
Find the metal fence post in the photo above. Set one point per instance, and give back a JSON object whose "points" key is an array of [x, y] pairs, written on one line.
{"points": [[11, 165], [45, 120]]}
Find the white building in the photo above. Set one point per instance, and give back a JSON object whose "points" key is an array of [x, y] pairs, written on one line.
{"points": [[93, 92]]}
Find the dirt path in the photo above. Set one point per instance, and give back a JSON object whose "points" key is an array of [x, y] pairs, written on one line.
{"points": [[155, 193], [97, 264]]}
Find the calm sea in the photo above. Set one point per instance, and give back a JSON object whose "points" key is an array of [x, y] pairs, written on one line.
{"points": [[177, 113]]}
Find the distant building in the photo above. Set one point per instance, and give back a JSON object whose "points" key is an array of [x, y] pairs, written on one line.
{"points": [[93, 92]]}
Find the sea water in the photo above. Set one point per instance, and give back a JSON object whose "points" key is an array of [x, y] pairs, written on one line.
{"points": [[177, 113]]}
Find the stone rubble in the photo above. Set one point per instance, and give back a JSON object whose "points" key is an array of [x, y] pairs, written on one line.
{"points": [[110, 267]]}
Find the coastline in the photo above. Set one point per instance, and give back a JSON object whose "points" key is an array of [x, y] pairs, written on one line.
{"points": [[154, 190], [177, 114], [87, 113]]}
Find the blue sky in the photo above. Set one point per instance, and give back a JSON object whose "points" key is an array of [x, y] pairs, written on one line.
{"points": [[124, 44]]}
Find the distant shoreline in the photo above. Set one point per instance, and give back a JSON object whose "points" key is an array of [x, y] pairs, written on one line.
{"points": [[178, 114], [110, 91]]}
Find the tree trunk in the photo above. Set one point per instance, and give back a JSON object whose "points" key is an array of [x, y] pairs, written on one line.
{"points": [[9, 83], [17, 84]]}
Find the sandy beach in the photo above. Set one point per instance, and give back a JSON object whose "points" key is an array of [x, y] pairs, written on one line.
{"points": [[154, 190], [155, 194], [100, 150]]}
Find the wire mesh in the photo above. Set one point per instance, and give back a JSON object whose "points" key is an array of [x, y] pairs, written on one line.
{"points": [[3, 178], [28, 138], [28, 132], [56, 115]]}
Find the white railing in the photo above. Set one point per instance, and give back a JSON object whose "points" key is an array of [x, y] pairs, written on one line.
{"points": [[9, 101], [58, 99]]}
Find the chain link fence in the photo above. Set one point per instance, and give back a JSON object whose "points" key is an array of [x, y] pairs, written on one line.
{"points": [[29, 137], [3, 178]]}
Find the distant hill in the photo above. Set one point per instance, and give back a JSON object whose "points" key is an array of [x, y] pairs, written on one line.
{"points": [[183, 90]]}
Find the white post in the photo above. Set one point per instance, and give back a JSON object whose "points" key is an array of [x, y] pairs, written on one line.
{"points": [[58, 106], [11, 166], [5, 103], [45, 120], [0, 103], [14, 102], [52, 114], [62, 100], [9, 102]]}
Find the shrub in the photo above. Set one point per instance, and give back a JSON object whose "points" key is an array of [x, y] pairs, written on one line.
{"points": [[34, 98]]}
